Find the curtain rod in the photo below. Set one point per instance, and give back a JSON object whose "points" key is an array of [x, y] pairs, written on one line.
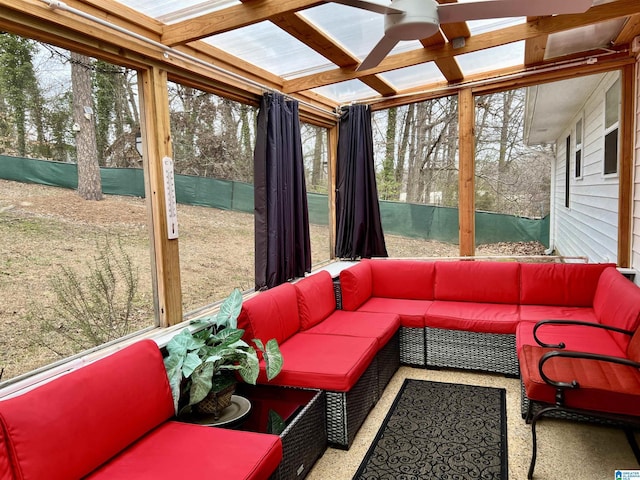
{"points": [[474, 83], [58, 4]]}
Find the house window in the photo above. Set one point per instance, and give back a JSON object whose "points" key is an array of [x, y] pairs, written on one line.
{"points": [[567, 170], [611, 127], [578, 152]]}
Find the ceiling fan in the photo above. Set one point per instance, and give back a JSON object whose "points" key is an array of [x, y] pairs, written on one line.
{"points": [[418, 19]]}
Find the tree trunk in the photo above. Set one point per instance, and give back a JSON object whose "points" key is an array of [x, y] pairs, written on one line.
{"points": [[89, 182]]}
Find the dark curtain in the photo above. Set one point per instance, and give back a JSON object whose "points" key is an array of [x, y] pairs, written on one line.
{"points": [[359, 230], [282, 243]]}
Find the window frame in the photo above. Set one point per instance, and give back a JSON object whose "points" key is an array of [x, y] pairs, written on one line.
{"points": [[578, 153], [614, 127]]}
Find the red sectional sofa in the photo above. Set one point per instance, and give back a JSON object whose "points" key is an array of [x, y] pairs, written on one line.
{"points": [[350, 355], [468, 314], [112, 419]]}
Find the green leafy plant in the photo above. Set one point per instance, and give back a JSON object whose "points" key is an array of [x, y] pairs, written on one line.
{"points": [[207, 360]]}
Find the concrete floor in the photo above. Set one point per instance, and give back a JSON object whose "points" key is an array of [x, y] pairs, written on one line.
{"points": [[566, 450]]}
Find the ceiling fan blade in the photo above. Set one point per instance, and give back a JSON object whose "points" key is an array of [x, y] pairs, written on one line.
{"points": [[382, 48], [483, 9], [372, 7]]}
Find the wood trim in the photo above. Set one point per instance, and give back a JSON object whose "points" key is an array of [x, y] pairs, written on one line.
{"points": [[625, 174], [466, 175], [156, 135]]}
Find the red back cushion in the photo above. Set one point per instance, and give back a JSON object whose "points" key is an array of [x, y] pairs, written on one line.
{"points": [[271, 314], [355, 284], [406, 279], [70, 426], [316, 299], [563, 284], [6, 472], [478, 281], [633, 350], [617, 303]]}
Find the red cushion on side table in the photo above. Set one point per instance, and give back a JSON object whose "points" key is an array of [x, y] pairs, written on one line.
{"points": [[474, 317], [316, 298], [604, 387], [411, 312], [326, 362], [381, 326], [181, 450]]}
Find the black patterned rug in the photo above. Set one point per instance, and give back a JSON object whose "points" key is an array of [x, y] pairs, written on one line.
{"points": [[440, 431]]}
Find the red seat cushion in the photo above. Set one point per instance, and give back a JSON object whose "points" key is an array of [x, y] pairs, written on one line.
{"points": [[271, 314], [482, 282], [411, 312], [381, 326], [617, 303], [576, 338], [535, 313], [181, 450], [410, 279], [563, 284], [474, 317], [316, 299], [326, 362], [69, 426], [355, 284], [604, 386]]}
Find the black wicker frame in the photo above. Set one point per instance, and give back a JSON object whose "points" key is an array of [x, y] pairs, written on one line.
{"points": [[413, 346], [346, 411], [488, 352], [388, 359], [303, 441]]}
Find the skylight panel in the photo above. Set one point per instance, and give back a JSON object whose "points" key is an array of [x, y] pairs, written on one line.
{"points": [[494, 58], [410, 77], [581, 39], [345, 92], [477, 27], [357, 30], [170, 11], [270, 48]]}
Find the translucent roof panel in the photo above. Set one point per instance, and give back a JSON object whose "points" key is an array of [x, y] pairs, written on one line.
{"points": [[477, 27], [409, 77], [272, 49], [358, 30], [584, 38], [346, 92], [170, 11], [504, 56]]}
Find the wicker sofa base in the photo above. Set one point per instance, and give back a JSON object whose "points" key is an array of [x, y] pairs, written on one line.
{"points": [[388, 359], [303, 441], [346, 411], [413, 346], [488, 352]]}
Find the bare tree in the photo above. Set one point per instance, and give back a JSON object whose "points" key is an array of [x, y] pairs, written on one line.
{"points": [[89, 182]]}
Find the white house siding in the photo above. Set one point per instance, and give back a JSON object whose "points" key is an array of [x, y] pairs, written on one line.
{"points": [[635, 256], [589, 227]]}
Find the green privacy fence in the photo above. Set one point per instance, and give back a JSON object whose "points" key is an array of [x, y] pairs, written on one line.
{"points": [[407, 219]]}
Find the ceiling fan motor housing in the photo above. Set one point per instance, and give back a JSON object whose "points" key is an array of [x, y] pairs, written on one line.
{"points": [[419, 20]]}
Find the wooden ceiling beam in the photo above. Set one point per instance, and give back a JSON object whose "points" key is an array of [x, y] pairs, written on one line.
{"points": [[544, 26], [630, 30], [534, 48], [230, 18]]}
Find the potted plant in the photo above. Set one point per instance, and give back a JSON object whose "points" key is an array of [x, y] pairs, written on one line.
{"points": [[202, 366]]}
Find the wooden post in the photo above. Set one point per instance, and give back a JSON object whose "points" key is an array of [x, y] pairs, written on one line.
{"points": [[466, 175], [156, 140], [332, 148], [625, 174]]}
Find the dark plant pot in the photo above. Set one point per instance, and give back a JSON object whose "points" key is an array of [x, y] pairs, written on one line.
{"points": [[216, 402]]}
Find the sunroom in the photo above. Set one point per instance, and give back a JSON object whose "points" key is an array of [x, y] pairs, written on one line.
{"points": [[200, 75]]}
